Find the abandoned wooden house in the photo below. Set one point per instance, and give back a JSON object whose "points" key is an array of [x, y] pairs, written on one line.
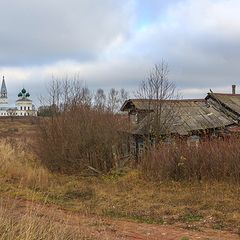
{"points": [[218, 115]]}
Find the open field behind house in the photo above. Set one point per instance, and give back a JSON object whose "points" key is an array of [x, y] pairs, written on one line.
{"points": [[120, 205], [15, 127]]}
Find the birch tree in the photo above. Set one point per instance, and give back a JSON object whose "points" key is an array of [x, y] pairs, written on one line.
{"points": [[157, 91]]}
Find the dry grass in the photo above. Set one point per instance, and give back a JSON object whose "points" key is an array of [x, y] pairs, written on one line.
{"points": [[215, 160], [31, 225], [192, 205], [17, 127], [121, 194], [20, 166]]}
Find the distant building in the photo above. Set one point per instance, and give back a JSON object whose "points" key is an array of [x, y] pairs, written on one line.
{"points": [[24, 105], [3, 100], [3, 97]]}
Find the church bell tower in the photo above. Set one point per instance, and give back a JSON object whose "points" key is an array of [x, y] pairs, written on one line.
{"points": [[3, 93]]}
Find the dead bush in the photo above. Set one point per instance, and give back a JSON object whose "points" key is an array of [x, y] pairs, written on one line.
{"points": [[78, 137], [212, 160], [78, 140]]}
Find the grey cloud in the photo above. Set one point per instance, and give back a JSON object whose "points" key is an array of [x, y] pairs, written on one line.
{"points": [[200, 54], [202, 51], [37, 32]]}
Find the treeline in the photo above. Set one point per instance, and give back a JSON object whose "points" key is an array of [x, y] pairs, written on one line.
{"points": [[64, 92]]}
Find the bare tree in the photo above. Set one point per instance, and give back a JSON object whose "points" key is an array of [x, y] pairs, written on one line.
{"points": [[100, 99], [65, 92], [157, 93], [86, 96], [116, 99], [123, 96], [113, 100]]}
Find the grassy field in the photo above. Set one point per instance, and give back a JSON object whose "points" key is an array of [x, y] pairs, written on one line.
{"points": [[30, 226], [122, 194]]}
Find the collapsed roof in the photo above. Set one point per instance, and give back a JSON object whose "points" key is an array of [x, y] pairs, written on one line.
{"points": [[228, 103]]}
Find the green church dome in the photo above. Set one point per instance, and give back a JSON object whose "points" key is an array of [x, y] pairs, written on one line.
{"points": [[24, 94], [24, 90]]}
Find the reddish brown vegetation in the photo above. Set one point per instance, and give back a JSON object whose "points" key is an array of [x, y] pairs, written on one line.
{"points": [[212, 160], [78, 139], [79, 133]]}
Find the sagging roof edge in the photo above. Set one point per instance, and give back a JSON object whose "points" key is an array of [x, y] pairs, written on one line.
{"points": [[214, 97]]}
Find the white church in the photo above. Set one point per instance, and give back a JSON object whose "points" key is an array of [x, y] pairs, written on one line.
{"points": [[23, 105]]}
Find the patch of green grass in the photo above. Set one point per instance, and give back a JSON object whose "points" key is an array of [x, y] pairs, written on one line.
{"points": [[218, 226], [190, 218], [80, 194], [185, 238], [136, 217]]}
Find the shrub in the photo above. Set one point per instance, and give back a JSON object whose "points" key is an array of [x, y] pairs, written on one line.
{"points": [[212, 160], [77, 136], [79, 139]]}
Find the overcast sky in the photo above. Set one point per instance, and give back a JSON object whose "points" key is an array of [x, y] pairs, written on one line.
{"points": [[114, 43]]}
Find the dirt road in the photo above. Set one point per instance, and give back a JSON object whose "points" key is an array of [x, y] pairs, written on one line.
{"points": [[108, 229]]}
